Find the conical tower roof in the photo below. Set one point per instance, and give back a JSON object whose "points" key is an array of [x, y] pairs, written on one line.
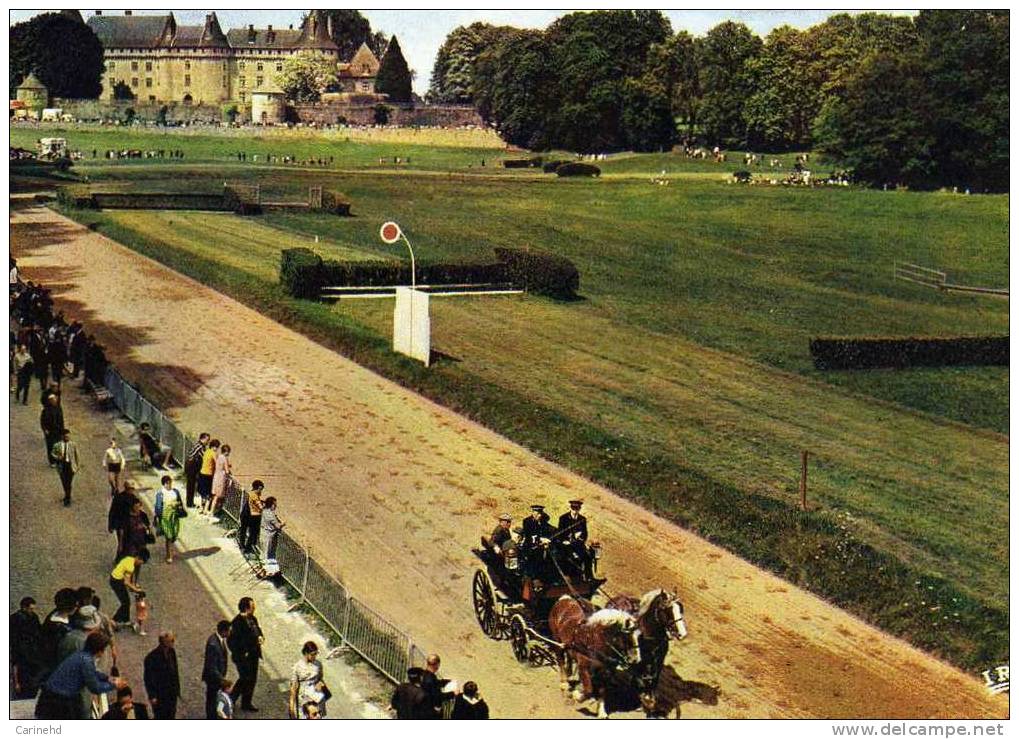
{"points": [[315, 33], [212, 34], [31, 82]]}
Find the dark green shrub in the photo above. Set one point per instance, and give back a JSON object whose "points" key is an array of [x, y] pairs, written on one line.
{"points": [[552, 166], [335, 202], [159, 201], [869, 353], [577, 169], [75, 196], [301, 273], [522, 163], [742, 176], [540, 272], [378, 273]]}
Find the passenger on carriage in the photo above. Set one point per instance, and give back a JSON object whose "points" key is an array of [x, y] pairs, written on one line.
{"points": [[535, 537], [571, 539], [500, 535]]}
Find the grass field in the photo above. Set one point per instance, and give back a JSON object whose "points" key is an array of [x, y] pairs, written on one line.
{"points": [[683, 378]]}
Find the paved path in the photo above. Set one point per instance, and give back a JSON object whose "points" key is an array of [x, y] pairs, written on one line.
{"points": [[54, 547]]}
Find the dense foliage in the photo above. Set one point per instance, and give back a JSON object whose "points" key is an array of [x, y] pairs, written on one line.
{"points": [[871, 353], [896, 100], [349, 29], [306, 76], [394, 76], [63, 53]]}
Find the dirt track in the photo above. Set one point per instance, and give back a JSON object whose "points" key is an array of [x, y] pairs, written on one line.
{"points": [[391, 491]]}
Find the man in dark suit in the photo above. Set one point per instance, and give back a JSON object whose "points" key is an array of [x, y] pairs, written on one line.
{"points": [[214, 668], [572, 536], [409, 700], [536, 533], [245, 644], [162, 678], [433, 686], [51, 419]]}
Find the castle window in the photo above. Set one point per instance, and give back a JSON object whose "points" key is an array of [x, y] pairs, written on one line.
{"points": [[279, 66], [187, 65], [148, 82], [242, 97], [134, 66], [224, 82], [148, 66], [152, 98], [187, 80], [258, 81], [259, 67], [242, 82], [241, 65], [134, 82], [110, 66]]}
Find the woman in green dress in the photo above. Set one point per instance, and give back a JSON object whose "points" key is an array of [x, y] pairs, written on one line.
{"points": [[169, 511]]}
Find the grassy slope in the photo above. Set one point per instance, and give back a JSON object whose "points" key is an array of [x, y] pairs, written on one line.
{"points": [[638, 401]]}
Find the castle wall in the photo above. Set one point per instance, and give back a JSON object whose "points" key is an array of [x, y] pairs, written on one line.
{"points": [[333, 112]]}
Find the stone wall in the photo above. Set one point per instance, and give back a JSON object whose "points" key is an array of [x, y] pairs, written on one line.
{"points": [[333, 112], [92, 110]]}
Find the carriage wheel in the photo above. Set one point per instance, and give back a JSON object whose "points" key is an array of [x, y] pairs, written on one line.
{"points": [[484, 605], [518, 638]]}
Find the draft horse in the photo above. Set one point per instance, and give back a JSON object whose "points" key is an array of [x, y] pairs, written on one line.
{"points": [[597, 644], [659, 617]]}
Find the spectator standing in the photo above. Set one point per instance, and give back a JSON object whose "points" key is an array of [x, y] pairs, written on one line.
{"points": [[220, 479], [120, 513], [51, 420], [122, 580], [433, 685], [245, 644], [272, 525], [205, 473], [25, 634], [162, 677], [76, 348], [65, 452], [193, 465], [169, 511], [307, 684], [469, 704], [54, 627], [56, 353], [40, 360], [409, 699], [224, 706], [137, 532], [114, 463], [214, 667], [251, 518], [86, 621], [60, 693], [23, 372]]}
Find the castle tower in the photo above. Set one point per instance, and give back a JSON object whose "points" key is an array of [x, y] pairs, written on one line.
{"points": [[315, 34]]}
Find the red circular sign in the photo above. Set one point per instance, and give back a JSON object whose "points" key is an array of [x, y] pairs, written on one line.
{"points": [[390, 232]]}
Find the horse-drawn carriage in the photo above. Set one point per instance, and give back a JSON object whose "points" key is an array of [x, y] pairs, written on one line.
{"points": [[550, 617]]}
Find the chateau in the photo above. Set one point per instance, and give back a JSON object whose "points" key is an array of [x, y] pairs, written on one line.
{"points": [[162, 62]]}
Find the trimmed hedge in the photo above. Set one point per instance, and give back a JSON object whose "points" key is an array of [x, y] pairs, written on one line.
{"points": [[522, 163], [301, 273], [552, 166], [160, 201], [540, 272], [379, 272], [577, 169], [75, 196], [872, 353], [240, 201]]}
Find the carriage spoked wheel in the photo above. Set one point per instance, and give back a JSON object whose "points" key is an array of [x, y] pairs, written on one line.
{"points": [[518, 638], [484, 605]]}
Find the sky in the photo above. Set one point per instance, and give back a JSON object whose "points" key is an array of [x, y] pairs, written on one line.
{"points": [[421, 32]]}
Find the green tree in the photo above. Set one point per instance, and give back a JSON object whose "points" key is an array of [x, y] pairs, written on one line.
{"points": [[726, 81], [786, 96], [306, 76], [674, 64], [625, 36], [380, 114], [647, 123], [121, 91], [394, 77], [63, 52], [967, 72], [453, 72], [349, 30], [515, 88], [878, 127]]}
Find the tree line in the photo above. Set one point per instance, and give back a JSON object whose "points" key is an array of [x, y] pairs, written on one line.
{"points": [[921, 101]]}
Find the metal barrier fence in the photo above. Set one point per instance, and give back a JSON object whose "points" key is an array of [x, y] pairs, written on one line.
{"points": [[382, 644]]}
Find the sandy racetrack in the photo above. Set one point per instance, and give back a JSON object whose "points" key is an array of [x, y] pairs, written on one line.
{"points": [[390, 491]]}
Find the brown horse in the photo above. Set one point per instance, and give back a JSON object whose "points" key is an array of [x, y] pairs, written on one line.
{"points": [[659, 616], [597, 645]]}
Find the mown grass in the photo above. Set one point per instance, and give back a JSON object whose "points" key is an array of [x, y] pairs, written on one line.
{"points": [[683, 378]]}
